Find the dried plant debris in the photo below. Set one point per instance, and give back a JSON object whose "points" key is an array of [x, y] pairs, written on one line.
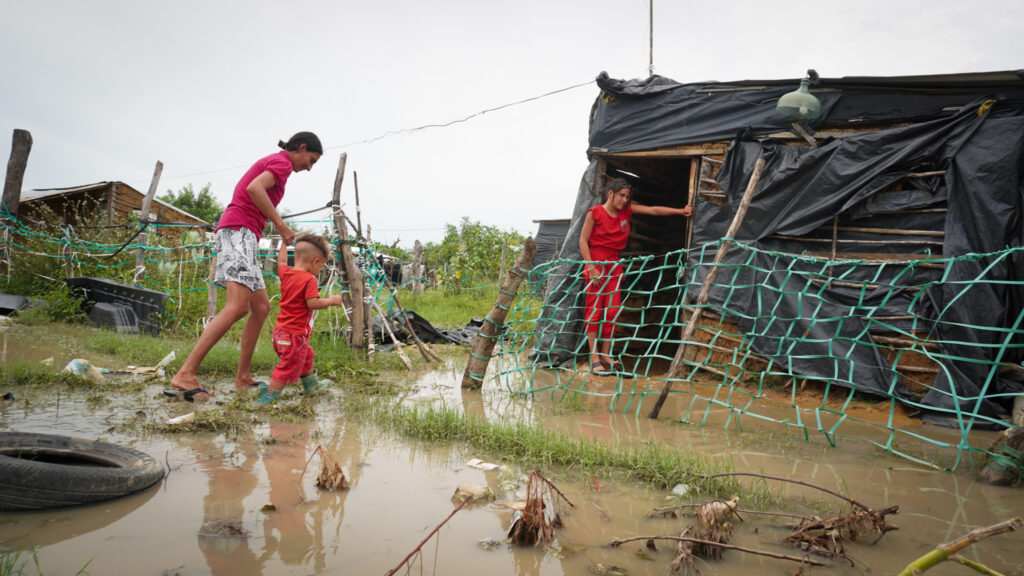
{"points": [[714, 524], [330, 477], [828, 537], [535, 523]]}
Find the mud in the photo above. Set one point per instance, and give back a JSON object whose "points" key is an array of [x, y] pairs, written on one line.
{"points": [[234, 505]]}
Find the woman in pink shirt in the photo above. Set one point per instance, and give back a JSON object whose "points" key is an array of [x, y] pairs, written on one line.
{"points": [[239, 229], [605, 233]]}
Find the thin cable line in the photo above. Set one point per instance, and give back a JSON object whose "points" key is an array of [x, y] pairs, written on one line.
{"points": [[391, 133]]}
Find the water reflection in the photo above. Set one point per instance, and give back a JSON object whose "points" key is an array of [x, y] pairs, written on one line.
{"points": [[230, 478]]}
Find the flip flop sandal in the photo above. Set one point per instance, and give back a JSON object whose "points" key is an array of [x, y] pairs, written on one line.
{"points": [[186, 395], [598, 369]]}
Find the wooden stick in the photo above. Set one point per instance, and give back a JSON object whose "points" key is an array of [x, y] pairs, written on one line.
{"points": [[359, 213], [429, 536], [211, 291], [803, 133], [351, 275], [801, 559], [893, 231], [398, 344], [425, 350], [885, 242], [147, 203], [483, 345], [21, 145], [702, 298]]}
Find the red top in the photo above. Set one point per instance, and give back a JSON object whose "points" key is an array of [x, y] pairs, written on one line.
{"points": [[610, 232], [242, 211], [297, 286]]}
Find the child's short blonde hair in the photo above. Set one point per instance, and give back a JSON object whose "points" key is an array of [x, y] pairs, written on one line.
{"points": [[311, 241]]}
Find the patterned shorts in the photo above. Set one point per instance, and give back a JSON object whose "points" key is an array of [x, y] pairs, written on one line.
{"points": [[237, 259]]}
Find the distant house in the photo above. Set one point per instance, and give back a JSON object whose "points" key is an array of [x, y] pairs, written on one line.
{"points": [[112, 202]]}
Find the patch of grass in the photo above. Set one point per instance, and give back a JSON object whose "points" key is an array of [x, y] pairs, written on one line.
{"points": [[450, 310], [11, 564], [34, 375], [659, 466], [216, 419]]}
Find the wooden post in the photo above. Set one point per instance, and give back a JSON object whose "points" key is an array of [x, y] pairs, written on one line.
{"points": [[483, 345], [702, 297], [147, 203], [504, 249], [270, 264], [21, 145], [417, 268], [350, 271], [211, 290], [65, 237], [359, 212]]}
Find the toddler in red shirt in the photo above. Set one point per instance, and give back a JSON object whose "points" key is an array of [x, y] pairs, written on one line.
{"points": [[300, 296]]}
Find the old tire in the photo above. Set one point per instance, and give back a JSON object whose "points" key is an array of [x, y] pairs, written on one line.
{"points": [[43, 471]]}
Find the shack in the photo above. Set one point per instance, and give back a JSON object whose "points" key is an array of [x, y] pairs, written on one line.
{"points": [[102, 203], [883, 250]]}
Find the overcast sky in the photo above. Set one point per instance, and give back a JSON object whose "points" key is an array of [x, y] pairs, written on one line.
{"points": [[107, 88]]}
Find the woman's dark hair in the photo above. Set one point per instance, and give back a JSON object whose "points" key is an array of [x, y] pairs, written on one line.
{"points": [[614, 185], [308, 138]]}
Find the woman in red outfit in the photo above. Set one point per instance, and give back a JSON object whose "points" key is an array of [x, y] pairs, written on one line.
{"points": [[604, 234]]}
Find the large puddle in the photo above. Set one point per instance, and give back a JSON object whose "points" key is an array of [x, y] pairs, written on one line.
{"points": [[235, 505]]}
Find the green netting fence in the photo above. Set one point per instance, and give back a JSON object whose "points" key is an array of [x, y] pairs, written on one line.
{"points": [[777, 345]]}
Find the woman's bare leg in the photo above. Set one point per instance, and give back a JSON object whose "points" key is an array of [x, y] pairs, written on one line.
{"points": [[259, 309], [236, 306]]}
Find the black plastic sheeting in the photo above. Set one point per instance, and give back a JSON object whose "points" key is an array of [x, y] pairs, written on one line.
{"points": [[970, 126], [803, 188], [425, 331], [658, 112]]}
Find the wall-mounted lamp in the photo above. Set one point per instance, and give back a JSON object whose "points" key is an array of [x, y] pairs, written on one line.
{"points": [[800, 107]]}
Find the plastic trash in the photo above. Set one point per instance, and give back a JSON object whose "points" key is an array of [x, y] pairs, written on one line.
{"points": [[481, 465], [681, 490], [83, 367], [182, 419]]}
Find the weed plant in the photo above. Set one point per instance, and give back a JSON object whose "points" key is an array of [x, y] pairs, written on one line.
{"points": [[658, 466]]}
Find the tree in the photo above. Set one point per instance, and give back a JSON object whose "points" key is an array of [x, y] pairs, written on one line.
{"points": [[472, 251], [202, 205]]}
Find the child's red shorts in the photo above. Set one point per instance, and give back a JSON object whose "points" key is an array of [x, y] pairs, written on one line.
{"points": [[296, 356]]}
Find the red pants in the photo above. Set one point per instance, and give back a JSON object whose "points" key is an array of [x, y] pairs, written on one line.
{"points": [[603, 300], [296, 356]]}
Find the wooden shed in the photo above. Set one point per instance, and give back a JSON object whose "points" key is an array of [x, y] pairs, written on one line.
{"points": [[898, 213], [102, 203]]}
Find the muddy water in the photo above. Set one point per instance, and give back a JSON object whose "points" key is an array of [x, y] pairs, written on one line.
{"points": [[236, 505]]}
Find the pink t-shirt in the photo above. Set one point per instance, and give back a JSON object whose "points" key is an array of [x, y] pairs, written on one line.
{"points": [[242, 211]]}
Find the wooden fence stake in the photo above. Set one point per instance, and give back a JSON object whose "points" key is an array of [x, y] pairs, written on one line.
{"points": [[211, 292], [702, 297], [147, 203], [350, 273], [483, 345], [21, 145], [359, 212]]}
